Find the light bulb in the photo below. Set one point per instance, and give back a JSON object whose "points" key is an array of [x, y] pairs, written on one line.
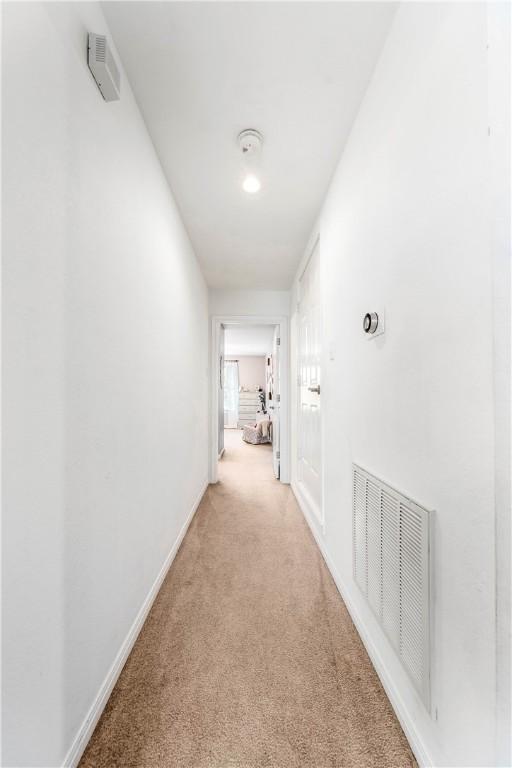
{"points": [[251, 184]]}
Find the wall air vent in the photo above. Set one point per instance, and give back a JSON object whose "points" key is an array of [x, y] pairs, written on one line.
{"points": [[391, 550], [103, 67]]}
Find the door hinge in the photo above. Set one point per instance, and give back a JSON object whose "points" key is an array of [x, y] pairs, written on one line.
{"points": [[278, 398], [278, 342], [278, 454]]}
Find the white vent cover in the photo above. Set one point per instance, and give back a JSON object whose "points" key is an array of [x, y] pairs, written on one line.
{"points": [[103, 67], [391, 541]]}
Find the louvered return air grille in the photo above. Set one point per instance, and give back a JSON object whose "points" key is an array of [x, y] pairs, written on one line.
{"points": [[103, 67], [101, 45], [391, 541]]}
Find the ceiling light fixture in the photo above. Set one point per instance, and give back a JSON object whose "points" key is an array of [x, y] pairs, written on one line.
{"points": [[251, 184], [250, 143]]}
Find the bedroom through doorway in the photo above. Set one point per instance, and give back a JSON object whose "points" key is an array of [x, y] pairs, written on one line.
{"points": [[250, 383], [248, 417]]}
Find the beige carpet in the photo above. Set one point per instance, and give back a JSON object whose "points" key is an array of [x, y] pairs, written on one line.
{"points": [[248, 658]]}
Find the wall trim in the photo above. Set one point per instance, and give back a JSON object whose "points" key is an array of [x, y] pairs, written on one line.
{"points": [[91, 719], [413, 737], [304, 498]]}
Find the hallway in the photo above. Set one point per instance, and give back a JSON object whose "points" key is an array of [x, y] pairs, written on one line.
{"points": [[292, 218], [248, 657]]}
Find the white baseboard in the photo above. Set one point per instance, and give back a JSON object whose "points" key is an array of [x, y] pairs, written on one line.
{"points": [[307, 504], [86, 729], [416, 743]]}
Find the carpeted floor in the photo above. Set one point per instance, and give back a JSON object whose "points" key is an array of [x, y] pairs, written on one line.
{"points": [[248, 658]]}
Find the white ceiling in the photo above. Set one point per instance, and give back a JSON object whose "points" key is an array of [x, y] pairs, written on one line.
{"points": [[203, 71], [248, 340]]}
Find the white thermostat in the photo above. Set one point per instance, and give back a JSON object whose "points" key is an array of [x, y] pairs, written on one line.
{"points": [[373, 323]]}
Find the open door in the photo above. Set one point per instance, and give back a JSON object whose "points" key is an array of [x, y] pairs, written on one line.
{"points": [[309, 358], [220, 445], [231, 394], [275, 402]]}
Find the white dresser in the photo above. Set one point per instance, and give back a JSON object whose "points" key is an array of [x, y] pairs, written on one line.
{"points": [[248, 406]]}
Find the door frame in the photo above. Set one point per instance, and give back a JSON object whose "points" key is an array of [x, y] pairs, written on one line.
{"points": [[277, 320]]}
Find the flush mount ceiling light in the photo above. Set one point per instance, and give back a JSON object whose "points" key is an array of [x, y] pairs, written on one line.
{"points": [[250, 143], [251, 184]]}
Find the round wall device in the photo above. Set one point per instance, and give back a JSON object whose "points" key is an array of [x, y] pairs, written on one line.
{"points": [[370, 322]]}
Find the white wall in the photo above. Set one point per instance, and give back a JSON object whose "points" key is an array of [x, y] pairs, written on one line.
{"points": [[405, 226], [105, 318], [499, 35], [244, 302], [249, 340], [251, 370]]}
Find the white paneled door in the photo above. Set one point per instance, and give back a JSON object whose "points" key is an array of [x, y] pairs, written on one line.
{"points": [[276, 405], [309, 383], [220, 393]]}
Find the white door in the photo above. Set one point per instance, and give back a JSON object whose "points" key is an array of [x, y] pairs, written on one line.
{"points": [[220, 402], [231, 385], [309, 376], [276, 403]]}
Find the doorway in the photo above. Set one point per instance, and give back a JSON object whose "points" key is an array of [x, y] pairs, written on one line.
{"points": [[249, 388]]}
